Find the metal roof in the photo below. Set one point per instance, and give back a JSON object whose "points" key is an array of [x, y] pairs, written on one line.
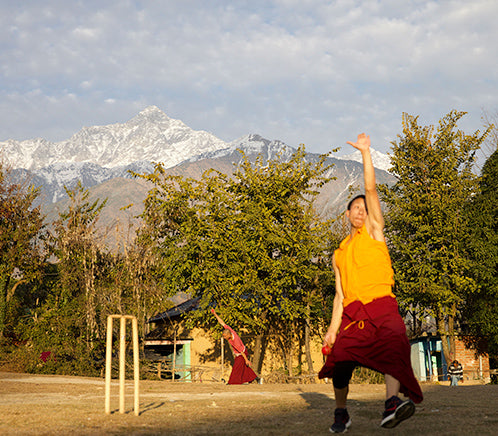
{"points": [[177, 311]]}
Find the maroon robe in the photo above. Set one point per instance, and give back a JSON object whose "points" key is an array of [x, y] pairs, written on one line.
{"points": [[241, 373], [374, 336]]}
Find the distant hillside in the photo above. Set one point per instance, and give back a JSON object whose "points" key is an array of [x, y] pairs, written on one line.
{"points": [[125, 196]]}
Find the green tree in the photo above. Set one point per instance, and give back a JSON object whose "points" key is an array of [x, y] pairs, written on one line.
{"points": [[244, 242], [21, 234], [68, 322], [77, 252], [426, 224], [129, 285], [480, 314]]}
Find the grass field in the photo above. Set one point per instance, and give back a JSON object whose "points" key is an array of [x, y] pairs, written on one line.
{"points": [[55, 405]]}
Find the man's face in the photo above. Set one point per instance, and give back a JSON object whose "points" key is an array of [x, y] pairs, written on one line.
{"points": [[227, 335], [358, 213]]}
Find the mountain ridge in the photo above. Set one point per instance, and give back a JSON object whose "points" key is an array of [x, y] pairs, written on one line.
{"points": [[152, 137], [126, 194], [149, 136]]}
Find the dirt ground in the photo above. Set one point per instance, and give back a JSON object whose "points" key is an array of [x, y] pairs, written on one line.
{"points": [[55, 405]]}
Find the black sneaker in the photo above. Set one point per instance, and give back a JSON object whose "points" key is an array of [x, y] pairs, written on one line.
{"points": [[396, 411], [341, 421]]}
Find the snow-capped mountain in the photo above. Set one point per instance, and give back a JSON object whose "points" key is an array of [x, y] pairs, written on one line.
{"points": [[249, 144], [149, 136], [380, 160], [96, 155], [53, 178], [122, 190]]}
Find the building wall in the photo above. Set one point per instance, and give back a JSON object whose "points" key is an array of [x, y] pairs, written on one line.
{"points": [[203, 353], [429, 363], [474, 366]]}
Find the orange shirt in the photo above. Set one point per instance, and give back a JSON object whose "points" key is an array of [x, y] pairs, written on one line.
{"points": [[365, 268]]}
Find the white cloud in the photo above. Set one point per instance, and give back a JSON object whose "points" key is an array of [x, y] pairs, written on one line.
{"points": [[311, 71], [86, 33]]}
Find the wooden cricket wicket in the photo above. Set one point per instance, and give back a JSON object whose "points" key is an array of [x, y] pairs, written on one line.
{"points": [[122, 356]]}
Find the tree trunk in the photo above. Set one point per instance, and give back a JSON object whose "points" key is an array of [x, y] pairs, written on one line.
{"points": [[300, 352], [307, 340], [445, 335], [282, 341], [451, 329], [291, 349], [3, 307], [260, 343]]}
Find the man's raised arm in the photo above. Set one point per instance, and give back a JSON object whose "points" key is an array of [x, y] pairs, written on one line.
{"points": [[218, 318], [375, 220]]}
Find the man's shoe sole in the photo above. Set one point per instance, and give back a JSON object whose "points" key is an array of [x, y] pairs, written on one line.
{"points": [[404, 411]]}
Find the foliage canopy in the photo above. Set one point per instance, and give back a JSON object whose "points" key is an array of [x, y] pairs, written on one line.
{"points": [[249, 243], [426, 225]]}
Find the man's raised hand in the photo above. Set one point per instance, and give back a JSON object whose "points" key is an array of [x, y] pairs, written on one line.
{"points": [[362, 143]]}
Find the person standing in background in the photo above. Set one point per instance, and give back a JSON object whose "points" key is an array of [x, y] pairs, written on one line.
{"points": [[455, 371]]}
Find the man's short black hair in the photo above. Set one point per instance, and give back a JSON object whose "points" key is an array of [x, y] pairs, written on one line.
{"points": [[356, 198]]}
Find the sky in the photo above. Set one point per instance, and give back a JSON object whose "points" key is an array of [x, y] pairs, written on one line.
{"points": [[309, 72]]}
